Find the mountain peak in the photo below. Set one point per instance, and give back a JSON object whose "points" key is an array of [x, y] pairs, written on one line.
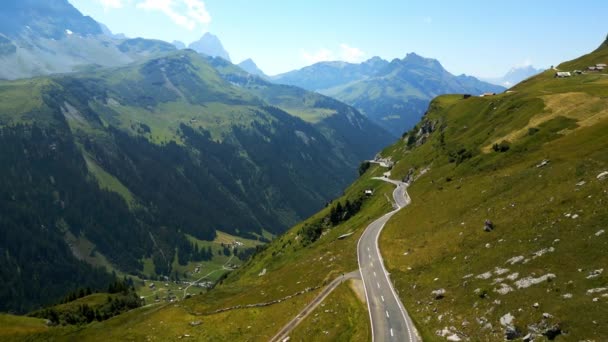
{"points": [[179, 45], [44, 19], [250, 66], [375, 61], [414, 59], [515, 75], [210, 45]]}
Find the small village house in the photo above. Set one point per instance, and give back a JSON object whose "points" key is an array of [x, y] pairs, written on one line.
{"points": [[562, 74]]}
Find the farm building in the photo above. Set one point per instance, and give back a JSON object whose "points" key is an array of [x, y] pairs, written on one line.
{"points": [[562, 74]]}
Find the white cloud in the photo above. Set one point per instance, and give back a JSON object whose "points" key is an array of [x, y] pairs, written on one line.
{"points": [[345, 53], [525, 63], [112, 4], [351, 54], [320, 55], [186, 13]]}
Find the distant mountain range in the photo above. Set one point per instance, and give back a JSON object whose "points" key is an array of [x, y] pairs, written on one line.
{"points": [[41, 37], [514, 76], [393, 94]]}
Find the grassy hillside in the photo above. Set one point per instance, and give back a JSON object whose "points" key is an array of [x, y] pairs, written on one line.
{"points": [[528, 161], [286, 275], [19, 328], [341, 317]]}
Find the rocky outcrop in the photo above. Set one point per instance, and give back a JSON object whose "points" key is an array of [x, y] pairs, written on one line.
{"points": [[438, 294], [488, 226], [419, 135]]}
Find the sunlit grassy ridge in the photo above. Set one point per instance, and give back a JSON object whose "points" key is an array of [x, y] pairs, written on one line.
{"points": [[549, 217]]}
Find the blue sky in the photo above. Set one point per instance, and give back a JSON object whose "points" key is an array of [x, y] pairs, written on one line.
{"points": [[480, 38]]}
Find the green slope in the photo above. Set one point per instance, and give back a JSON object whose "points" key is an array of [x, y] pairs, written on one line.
{"points": [[289, 266], [548, 217], [133, 160]]}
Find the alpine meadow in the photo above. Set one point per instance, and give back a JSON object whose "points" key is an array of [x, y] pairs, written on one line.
{"points": [[286, 171]]}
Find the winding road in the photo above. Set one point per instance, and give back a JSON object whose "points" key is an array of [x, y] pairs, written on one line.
{"points": [[389, 320]]}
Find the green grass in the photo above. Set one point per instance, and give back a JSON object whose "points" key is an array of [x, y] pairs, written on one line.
{"points": [[21, 101], [171, 323], [441, 231], [226, 238], [85, 250], [92, 300], [16, 328], [341, 317], [109, 182]]}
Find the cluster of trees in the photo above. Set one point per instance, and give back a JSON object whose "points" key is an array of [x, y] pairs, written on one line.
{"points": [[364, 166], [190, 251], [459, 155], [121, 298], [72, 296], [43, 181], [245, 254], [338, 213], [504, 146]]}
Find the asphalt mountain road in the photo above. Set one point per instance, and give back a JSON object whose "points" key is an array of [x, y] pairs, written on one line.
{"points": [[389, 320]]}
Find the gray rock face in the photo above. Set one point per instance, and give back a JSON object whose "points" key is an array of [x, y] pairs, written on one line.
{"points": [[488, 226], [512, 333], [42, 37], [210, 45], [438, 294], [44, 19]]}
